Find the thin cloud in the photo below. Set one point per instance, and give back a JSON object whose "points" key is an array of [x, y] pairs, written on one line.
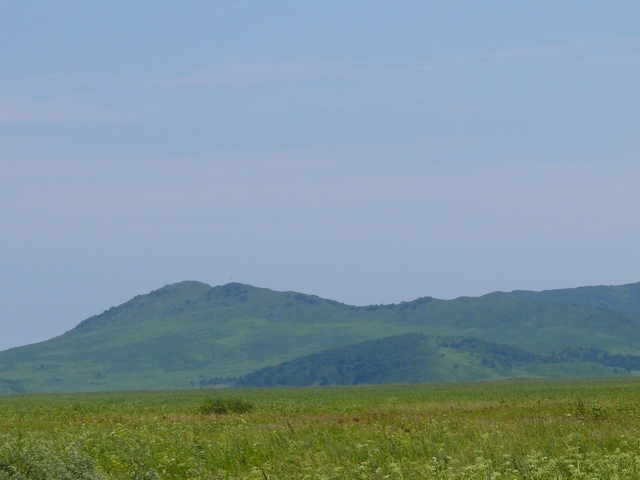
{"points": [[255, 74], [539, 52], [623, 58], [25, 110], [242, 75]]}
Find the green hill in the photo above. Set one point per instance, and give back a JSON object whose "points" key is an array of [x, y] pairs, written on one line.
{"points": [[618, 298], [189, 333], [416, 358]]}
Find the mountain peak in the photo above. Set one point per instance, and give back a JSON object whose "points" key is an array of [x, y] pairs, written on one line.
{"points": [[190, 286]]}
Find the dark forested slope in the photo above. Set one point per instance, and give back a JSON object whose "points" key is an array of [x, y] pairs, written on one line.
{"points": [[417, 358]]}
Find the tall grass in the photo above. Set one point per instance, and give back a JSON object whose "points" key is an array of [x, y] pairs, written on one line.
{"points": [[513, 429]]}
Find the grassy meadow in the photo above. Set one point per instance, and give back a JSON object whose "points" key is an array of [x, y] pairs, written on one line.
{"points": [[522, 429]]}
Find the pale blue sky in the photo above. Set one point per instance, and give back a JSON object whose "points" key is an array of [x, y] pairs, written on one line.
{"points": [[368, 152]]}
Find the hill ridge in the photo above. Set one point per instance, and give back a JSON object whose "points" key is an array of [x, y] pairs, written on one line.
{"points": [[178, 334]]}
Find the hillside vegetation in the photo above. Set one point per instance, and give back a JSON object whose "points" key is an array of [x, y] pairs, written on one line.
{"points": [[416, 358], [189, 334]]}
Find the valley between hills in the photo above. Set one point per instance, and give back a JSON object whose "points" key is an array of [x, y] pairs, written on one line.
{"points": [[191, 335]]}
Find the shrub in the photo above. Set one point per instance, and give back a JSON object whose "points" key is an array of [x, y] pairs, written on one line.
{"points": [[221, 406]]}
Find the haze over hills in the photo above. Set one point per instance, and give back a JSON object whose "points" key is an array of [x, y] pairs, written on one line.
{"points": [[190, 334]]}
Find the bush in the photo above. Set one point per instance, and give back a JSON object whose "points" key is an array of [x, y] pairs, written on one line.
{"points": [[221, 406]]}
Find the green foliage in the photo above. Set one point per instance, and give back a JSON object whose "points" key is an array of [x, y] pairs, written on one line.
{"points": [[33, 458], [222, 406], [626, 362], [397, 359]]}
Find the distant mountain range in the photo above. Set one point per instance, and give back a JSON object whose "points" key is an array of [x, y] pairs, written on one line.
{"points": [[192, 335]]}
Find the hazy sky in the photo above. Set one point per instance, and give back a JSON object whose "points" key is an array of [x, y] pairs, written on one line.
{"points": [[363, 151]]}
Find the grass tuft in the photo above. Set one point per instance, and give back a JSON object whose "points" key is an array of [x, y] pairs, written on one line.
{"points": [[222, 406]]}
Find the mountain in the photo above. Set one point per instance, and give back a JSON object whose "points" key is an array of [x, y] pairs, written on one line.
{"points": [[188, 334]]}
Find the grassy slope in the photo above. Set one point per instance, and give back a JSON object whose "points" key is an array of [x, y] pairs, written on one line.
{"points": [[416, 358], [616, 298], [174, 335], [534, 325]]}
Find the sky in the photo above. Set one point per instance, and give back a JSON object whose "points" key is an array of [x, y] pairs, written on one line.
{"points": [[367, 151]]}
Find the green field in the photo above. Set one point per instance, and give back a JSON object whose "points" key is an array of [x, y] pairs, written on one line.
{"points": [[522, 429]]}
